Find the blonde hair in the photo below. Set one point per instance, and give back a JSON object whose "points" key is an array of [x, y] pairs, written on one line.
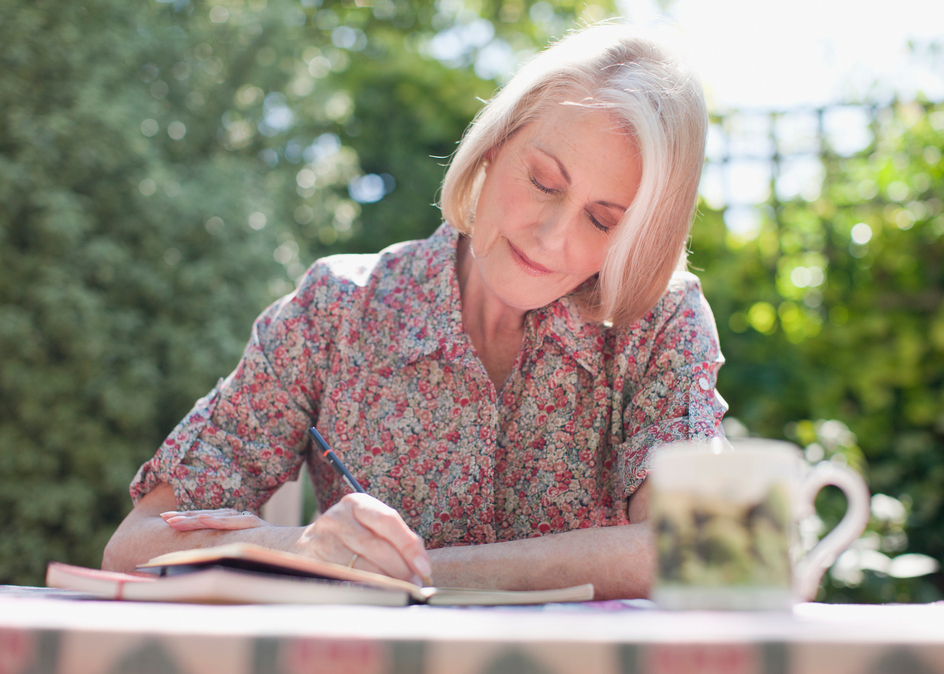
{"points": [[660, 104]]}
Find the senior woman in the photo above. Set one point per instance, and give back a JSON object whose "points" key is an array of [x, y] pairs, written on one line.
{"points": [[498, 387]]}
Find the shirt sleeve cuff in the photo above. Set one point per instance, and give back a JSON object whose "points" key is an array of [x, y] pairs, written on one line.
{"points": [[166, 464]]}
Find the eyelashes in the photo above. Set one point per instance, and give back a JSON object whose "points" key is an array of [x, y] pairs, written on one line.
{"points": [[542, 188], [547, 190], [596, 223]]}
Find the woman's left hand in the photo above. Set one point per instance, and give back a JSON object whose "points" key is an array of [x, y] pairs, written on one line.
{"points": [[222, 518]]}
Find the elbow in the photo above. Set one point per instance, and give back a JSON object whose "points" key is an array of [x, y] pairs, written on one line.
{"points": [[111, 557], [136, 540]]}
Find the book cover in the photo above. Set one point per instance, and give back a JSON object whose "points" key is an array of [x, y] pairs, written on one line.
{"points": [[219, 586]]}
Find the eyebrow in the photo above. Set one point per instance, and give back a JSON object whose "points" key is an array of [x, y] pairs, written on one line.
{"points": [[560, 166]]}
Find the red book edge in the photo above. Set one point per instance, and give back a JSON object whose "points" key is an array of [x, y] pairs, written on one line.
{"points": [[113, 580]]}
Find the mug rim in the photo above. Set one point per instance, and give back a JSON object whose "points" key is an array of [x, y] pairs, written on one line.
{"points": [[731, 446], [676, 456]]}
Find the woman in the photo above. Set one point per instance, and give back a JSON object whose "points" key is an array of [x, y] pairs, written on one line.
{"points": [[498, 387]]}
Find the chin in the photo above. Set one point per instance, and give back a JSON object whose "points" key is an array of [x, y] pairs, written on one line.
{"points": [[527, 302]]}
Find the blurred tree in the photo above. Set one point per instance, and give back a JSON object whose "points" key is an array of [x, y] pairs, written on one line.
{"points": [[833, 311], [127, 267]]}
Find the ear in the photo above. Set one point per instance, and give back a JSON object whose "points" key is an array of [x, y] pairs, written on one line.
{"points": [[490, 155]]}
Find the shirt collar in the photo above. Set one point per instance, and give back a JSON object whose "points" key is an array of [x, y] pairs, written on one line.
{"points": [[436, 321], [438, 325], [561, 322]]}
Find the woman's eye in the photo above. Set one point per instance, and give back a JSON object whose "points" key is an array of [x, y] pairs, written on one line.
{"points": [[596, 223], [546, 190]]}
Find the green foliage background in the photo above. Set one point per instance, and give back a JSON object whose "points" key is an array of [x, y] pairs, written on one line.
{"points": [[167, 169], [853, 366]]}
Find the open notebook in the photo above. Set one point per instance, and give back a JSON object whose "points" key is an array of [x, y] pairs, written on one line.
{"points": [[241, 573]]}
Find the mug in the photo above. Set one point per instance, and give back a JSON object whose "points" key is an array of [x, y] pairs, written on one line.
{"points": [[726, 522]]}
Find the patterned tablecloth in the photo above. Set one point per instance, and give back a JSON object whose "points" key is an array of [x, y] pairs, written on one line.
{"points": [[46, 631]]}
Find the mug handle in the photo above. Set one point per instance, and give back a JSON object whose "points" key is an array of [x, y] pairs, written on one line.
{"points": [[809, 570]]}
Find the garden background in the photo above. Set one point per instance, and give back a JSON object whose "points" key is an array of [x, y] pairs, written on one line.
{"points": [[167, 169]]}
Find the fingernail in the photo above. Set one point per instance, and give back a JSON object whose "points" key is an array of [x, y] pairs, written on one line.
{"points": [[421, 564], [416, 580]]}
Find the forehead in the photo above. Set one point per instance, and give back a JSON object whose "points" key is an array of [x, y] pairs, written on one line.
{"points": [[579, 128], [575, 123]]}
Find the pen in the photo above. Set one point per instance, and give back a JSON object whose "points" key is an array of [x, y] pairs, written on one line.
{"points": [[335, 462]]}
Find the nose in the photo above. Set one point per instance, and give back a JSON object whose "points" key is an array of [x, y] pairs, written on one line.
{"points": [[554, 227]]}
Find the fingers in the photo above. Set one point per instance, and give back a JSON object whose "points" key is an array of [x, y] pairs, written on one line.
{"points": [[223, 518], [391, 532], [211, 511], [362, 525], [378, 556]]}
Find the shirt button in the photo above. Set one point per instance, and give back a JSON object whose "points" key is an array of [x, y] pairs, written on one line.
{"points": [[703, 383]]}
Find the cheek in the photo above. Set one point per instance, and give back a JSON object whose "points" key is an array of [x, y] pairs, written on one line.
{"points": [[510, 197], [499, 210], [589, 254], [485, 231]]}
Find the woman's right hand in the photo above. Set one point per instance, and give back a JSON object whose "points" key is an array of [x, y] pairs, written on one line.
{"points": [[365, 533]]}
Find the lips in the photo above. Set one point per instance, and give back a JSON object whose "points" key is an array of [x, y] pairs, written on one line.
{"points": [[527, 264]]}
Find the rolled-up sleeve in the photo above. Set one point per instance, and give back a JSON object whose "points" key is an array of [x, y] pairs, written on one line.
{"points": [[675, 399], [247, 436]]}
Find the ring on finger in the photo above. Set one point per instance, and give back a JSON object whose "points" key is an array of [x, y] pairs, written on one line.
{"points": [[350, 564]]}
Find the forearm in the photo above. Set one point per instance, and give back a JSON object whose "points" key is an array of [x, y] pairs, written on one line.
{"points": [[618, 560], [151, 536], [358, 529], [144, 535]]}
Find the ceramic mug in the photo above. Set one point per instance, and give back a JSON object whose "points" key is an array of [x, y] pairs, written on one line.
{"points": [[726, 520]]}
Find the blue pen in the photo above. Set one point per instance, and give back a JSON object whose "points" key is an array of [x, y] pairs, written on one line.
{"points": [[335, 462]]}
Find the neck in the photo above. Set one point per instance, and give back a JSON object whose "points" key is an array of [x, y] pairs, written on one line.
{"points": [[496, 330]]}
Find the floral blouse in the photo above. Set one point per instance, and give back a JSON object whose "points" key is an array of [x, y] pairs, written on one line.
{"points": [[371, 349]]}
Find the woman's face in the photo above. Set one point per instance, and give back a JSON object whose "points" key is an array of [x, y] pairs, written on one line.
{"points": [[553, 194]]}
